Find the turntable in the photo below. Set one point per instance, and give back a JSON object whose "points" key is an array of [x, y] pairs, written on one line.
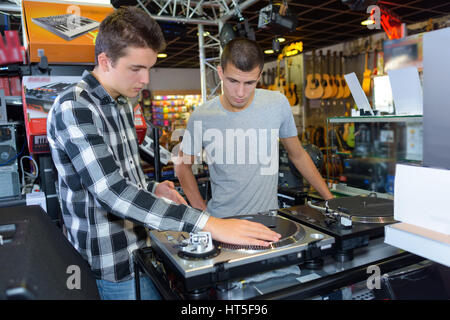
{"points": [[352, 221], [200, 263]]}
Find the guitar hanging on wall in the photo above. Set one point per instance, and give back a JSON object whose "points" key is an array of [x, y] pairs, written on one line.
{"points": [[338, 80], [366, 78], [327, 89], [344, 85], [291, 93], [314, 89], [334, 88], [280, 81]]}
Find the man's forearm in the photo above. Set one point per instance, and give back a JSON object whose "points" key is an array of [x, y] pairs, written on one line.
{"points": [[308, 170], [190, 187]]}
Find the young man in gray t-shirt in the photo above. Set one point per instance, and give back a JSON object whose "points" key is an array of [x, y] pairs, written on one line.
{"points": [[239, 131]]}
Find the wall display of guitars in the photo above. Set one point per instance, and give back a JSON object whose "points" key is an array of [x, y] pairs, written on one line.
{"points": [[321, 85], [281, 79]]}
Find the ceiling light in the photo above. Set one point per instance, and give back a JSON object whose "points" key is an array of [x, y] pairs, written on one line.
{"points": [[281, 40], [367, 22], [268, 51], [162, 55]]}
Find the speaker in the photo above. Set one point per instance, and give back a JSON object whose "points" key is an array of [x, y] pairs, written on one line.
{"points": [[270, 19], [38, 262], [227, 33], [9, 174]]}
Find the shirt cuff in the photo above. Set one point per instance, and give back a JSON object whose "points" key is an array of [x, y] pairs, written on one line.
{"points": [[152, 186], [201, 222]]}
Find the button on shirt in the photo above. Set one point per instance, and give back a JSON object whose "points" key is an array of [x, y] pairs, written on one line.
{"points": [[106, 203]]}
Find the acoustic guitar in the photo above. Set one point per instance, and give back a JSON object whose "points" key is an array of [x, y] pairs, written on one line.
{"points": [[279, 80], [291, 92], [314, 89], [366, 77], [334, 88], [346, 93], [327, 89], [338, 80]]}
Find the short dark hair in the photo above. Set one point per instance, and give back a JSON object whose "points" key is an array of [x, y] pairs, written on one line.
{"points": [[127, 27], [243, 53]]}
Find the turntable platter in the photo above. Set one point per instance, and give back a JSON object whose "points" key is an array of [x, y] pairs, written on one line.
{"points": [[290, 232], [365, 209]]}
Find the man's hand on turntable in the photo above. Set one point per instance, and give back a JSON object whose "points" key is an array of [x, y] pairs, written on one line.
{"points": [[243, 232]]}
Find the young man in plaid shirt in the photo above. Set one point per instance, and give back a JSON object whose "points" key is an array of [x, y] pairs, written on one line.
{"points": [[106, 202]]}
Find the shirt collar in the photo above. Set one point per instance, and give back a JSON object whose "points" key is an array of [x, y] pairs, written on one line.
{"points": [[96, 88]]}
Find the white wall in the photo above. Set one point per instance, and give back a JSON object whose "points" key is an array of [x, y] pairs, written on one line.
{"points": [[174, 79]]}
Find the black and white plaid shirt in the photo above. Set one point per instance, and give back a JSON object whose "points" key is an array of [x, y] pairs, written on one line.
{"points": [[106, 202]]}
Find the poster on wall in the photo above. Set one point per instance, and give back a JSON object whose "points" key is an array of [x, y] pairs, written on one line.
{"points": [[63, 32], [402, 53]]}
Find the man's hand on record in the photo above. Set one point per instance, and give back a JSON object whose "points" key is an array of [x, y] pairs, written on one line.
{"points": [[167, 190], [239, 231]]}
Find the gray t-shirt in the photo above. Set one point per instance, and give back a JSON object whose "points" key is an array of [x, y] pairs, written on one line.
{"points": [[242, 151]]}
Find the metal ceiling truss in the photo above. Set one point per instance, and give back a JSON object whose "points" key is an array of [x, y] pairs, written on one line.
{"points": [[201, 13]]}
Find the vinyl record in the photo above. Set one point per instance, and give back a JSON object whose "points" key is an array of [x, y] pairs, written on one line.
{"points": [[290, 232]]}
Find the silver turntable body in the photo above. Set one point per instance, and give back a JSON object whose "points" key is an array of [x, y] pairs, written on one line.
{"points": [[229, 261]]}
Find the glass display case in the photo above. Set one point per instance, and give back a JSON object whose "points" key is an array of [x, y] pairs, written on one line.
{"points": [[362, 152]]}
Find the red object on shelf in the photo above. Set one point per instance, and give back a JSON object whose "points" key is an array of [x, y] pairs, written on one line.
{"points": [[4, 85], [139, 123], [13, 46], [15, 86]]}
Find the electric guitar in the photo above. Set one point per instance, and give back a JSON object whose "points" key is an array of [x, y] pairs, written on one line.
{"points": [[366, 78]]}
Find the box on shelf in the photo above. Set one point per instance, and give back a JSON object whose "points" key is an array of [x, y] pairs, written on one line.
{"points": [[39, 94]]}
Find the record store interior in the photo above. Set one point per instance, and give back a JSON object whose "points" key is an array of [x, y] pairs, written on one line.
{"points": [[352, 95]]}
